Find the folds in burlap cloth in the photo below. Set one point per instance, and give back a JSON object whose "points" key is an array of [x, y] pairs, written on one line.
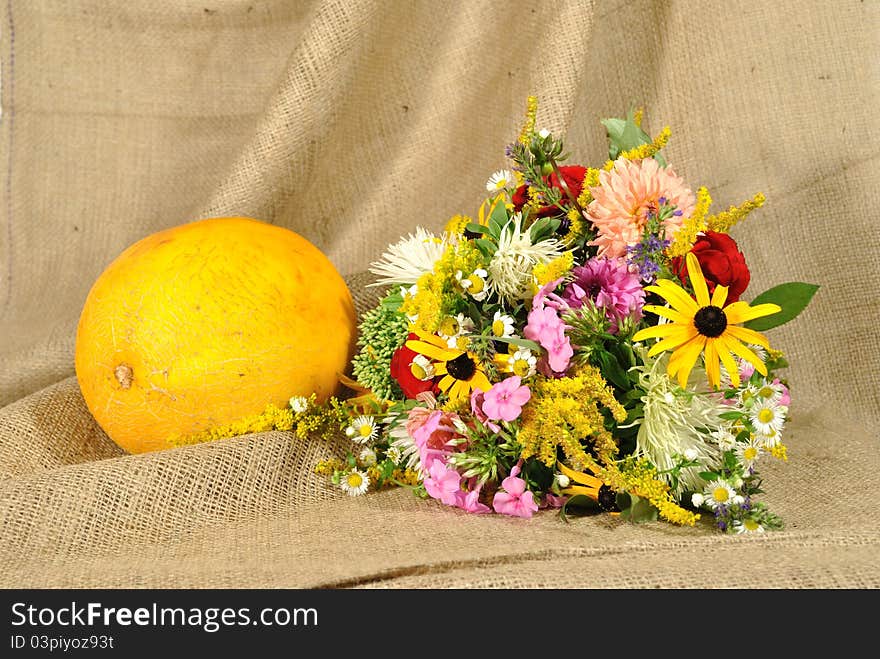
{"points": [[351, 122]]}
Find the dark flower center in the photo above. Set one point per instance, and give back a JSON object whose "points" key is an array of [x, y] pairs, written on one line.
{"points": [[462, 367], [608, 499], [710, 321]]}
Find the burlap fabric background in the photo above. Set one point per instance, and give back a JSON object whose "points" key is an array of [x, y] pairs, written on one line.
{"points": [[351, 122]]}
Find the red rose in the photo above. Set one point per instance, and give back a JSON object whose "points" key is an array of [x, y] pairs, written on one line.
{"points": [[721, 262], [402, 373], [573, 175]]}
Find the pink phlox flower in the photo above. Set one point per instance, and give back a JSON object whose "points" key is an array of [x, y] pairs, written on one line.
{"points": [[443, 483], [434, 436], [470, 501], [545, 297], [515, 500], [785, 399], [553, 501], [505, 400], [477, 397]]}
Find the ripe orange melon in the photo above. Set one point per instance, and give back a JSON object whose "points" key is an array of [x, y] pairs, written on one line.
{"points": [[203, 324]]}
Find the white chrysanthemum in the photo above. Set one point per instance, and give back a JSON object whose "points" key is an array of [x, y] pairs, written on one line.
{"points": [[475, 283], [355, 482], [367, 457], [409, 259], [502, 324], [510, 270], [503, 179], [393, 454], [748, 453], [422, 368], [405, 446], [767, 417], [363, 429], [720, 493], [672, 424], [747, 525], [299, 404]]}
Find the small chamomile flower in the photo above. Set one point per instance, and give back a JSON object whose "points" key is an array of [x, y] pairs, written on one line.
{"points": [[474, 283], [299, 404], [697, 500], [422, 368], [748, 396], [367, 457], [748, 453], [747, 525], [502, 324], [769, 393], [720, 493], [455, 330], [363, 429], [503, 179], [562, 481], [393, 453], [768, 439], [355, 482], [725, 439], [766, 416], [522, 362]]}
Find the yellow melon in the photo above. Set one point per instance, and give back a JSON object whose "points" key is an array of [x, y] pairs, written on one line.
{"points": [[206, 323]]}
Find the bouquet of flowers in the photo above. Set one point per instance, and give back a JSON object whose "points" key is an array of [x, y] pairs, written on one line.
{"points": [[580, 344]]}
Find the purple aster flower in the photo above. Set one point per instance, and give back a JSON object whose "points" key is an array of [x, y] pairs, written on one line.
{"points": [[609, 285]]}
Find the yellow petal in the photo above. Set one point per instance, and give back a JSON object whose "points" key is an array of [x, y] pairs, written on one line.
{"points": [[579, 476], [432, 351], [745, 352], [446, 383], [741, 312], [719, 297], [673, 341], [592, 492], [666, 312], [458, 390], [713, 369], [683, 360], [675, 295], [695, 274], [657, 331], [440, 368], [480, 381], [728, 361], [748, 336]]}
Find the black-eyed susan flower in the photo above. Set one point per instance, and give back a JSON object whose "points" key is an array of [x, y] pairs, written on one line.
{"points": [[461, 370], [704, 326]]}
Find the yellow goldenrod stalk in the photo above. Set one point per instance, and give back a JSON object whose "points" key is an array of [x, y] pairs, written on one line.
{"points": [[565, 411], [272, 418], [457, 405], [591, 180], [723, 221], [639, 477], [531, 114], [329, 467], [686, 236], [779, 452], [544, 273], [644, 150], [637, 117], [405, 476], [457, 225]]}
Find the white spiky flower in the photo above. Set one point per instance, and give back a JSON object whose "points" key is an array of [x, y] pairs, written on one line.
{"points": [[355, 482], [410, 258], [510, 270], [673, 425], [503, 179]]}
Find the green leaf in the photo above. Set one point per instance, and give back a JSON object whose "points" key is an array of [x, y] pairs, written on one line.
{"points": [[487, 247], [731, 416], [624, 134], [517, 341], [793, 297], [708, 475], [578, 506], [611, 370], [473, 227], [639, 510], [393, 301], [498, 218]]}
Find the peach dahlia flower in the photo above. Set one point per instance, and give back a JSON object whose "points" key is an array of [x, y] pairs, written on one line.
{"points": [[623, 197]]}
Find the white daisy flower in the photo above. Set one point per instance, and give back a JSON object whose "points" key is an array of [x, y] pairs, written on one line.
{"points": [[422, 368], [503, 179], [502, 324], [766, 416], [523, 363], [748, 453], [747, 525], [720, 493], [363, 429], [769, 439], [725, 439], [410, 258], [355, 482], [475, 283], [367, 457], [510, 270], [770, 393], [299, 404], [393, 454], [748, 397], [456, 330]]}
